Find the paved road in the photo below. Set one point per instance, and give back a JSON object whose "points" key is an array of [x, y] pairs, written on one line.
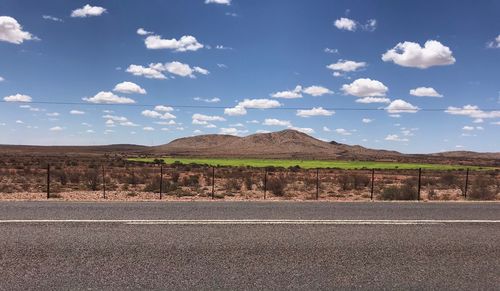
{"points": [[130, 251]]}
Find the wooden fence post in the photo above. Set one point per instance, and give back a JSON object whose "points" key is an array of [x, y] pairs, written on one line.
{"points": [[161, 181], [265, 182], [419, 182], [103, 182], [373, 183], [213, 182], [48, 181], [466, 183], [317, 184]]}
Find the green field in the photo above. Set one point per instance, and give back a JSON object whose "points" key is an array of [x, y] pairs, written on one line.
{"points": [[309, 164]]}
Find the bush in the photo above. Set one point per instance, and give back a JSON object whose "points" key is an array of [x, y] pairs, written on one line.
{"points": [[482, 188], [232, 185], [248, 182], [191, 181], [403, 192], [277, 185], [432, 195]]}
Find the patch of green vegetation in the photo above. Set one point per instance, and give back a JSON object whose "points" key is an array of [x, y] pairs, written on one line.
{"points": [[308, 164]]}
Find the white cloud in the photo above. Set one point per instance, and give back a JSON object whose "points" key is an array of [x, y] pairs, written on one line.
{"points": [[49, 17], [53, 114], [221, 47], [478, 120], [342, 131], [155, 114], [346, 24], [346, 66], [115, 118], [142, 31], [368, 100], [315, 111], [326, 129], [1, 79], [90, 131], [185, 43], [56, 128], [425, 92], [411, 54], [290, 94], [108, 98], [365, 87], [367, 120], [237, 125], [76, 112], [203, 117], [129, 88], [496, 123], [262, 131], [232, 131], [19, 122], [223, 2], [370, 25], [149, 73], [306, 130], [472, 111], [164, 108], [11, 31], [128, 123], [17, 98], [211, 100], [468, 128], [331, 50], [148, 128], [395, 137], [170, 122], [235, 111], [240, 108], [401, 106], [201, 70], [87, 11], [317, 91], [276, 122], [494, 43]]}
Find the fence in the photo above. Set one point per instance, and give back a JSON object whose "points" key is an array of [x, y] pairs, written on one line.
{"points": [[131, 180]]}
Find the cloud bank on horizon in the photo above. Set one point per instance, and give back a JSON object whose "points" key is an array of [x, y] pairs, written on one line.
{"points": [[364, 73]]}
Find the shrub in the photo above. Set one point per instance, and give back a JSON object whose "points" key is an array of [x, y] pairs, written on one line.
{"points": [[191, 181], [403, 192], [248, 182], [432, 195], [277, 185], [91, 178], [482, 188], [448, 179], [232, 185]]}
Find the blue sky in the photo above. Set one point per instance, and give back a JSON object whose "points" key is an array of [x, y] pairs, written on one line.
{"points": [[241, 67]]}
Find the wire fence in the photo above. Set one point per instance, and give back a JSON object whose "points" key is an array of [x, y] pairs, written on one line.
{"points": [[120, 179]]}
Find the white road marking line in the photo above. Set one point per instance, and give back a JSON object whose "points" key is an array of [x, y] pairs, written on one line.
{"points": [[250, 221]]}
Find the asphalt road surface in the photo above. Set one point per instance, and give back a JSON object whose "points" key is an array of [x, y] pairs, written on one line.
{"points": [[249, 245]]}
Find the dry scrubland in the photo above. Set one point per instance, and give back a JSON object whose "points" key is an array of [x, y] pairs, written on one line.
{"points": [[81, 178]]}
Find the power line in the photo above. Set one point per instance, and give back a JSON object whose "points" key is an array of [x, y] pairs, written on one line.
{"points": [[224, 107]]}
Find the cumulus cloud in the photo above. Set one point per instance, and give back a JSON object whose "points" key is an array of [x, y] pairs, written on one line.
{"points": [[276, 122], [129, 88], [342, 131], [346, 66], [494, 43], [108, 98], [401, 106], [411, 54], [207, 100], [17, 98], [148, 128], [472, 111], [149, 72], [331, 50], [155, 71], [425, 92], [315, 111], [365, 87], [185, 43], [11, 31], [289, 94], [49, 17], [240, 108], [345, 24], [317, 91], [56, 128], [142, 31], [306, 130], [468, 128], [164, 108], [76, 112], [87, 11], [367, 120], [156, 114], [223, 2], [203, 117], [53, 114], [395, 137], [368, 100], [1, 79], [232, 131]]}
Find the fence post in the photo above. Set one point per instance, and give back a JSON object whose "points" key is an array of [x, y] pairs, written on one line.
{"points": [[419, 181], [373, 182], [466, 183], [265, 182], [103, 182], [161, 181], [317, 184], [48, 181], [213, 182]]}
